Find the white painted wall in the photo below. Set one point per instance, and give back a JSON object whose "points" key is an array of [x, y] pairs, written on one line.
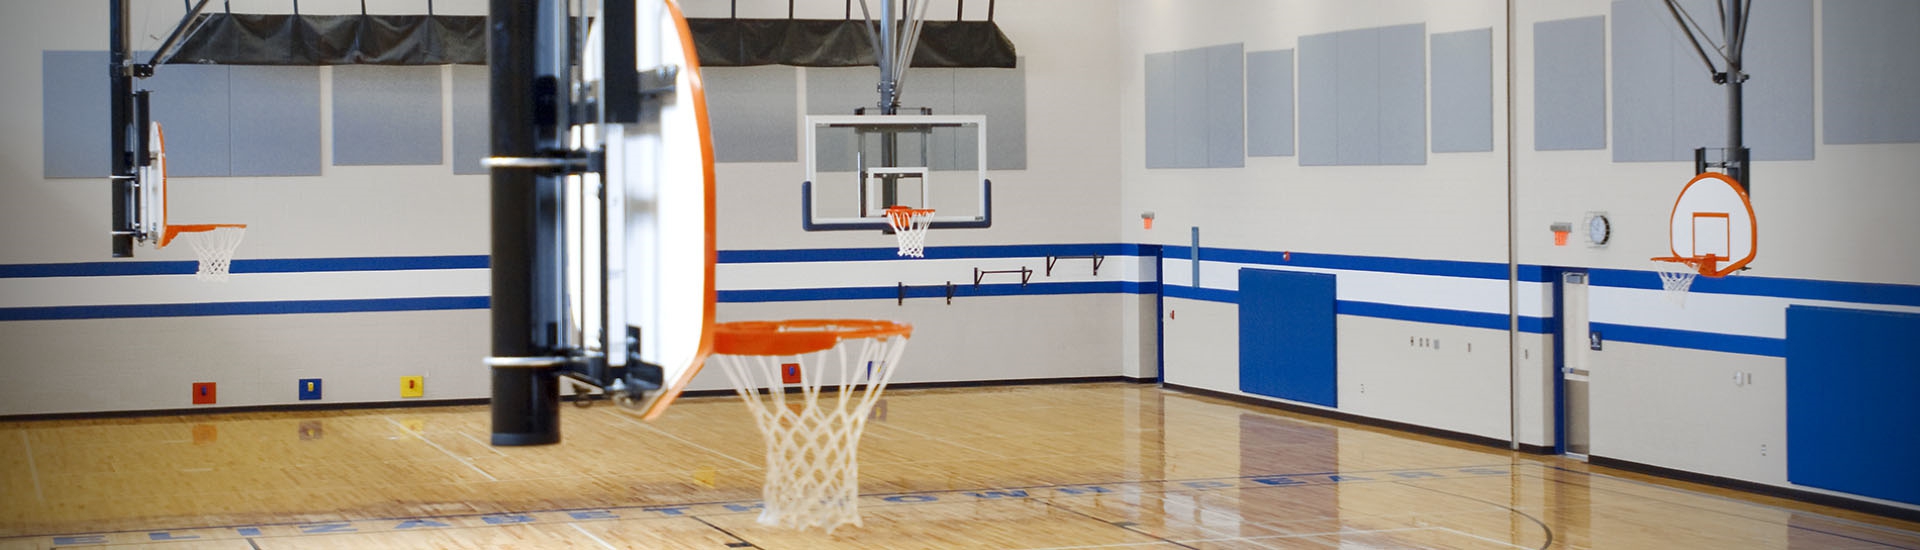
{"points": [[1836, 218], [348, 211], [1452, 208]]}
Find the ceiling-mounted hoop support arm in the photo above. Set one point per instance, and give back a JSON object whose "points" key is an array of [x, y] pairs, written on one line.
{"points": [[1734, 18], [189, 24]]}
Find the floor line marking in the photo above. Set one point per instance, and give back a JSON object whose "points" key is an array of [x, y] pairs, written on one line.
{"points": [[596, 538], [35, 468], [1471, 535], [429, 442], [482, 443], [649, 427], [1544, 528]]}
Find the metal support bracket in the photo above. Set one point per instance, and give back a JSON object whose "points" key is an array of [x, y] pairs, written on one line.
{"points": [[1097, 260], [949, 292], [1025, 275]]}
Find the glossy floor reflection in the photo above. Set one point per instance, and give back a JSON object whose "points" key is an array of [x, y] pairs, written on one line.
{"points": [[1062, 466]]}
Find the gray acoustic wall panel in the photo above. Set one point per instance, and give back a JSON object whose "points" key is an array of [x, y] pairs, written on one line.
{"points": [[1363, 96], [74, 118], [1357, 103], [1666, 104], [1196, 108], [1162, 114], [275, 116], [1463, 91], [1319, 100], [1403, 94], [1270, 103], [1569, 84], [1870, 76], [192, 103], [1190, 122], [753, 113], [1001, 95], [1779, 97], [1226, 106], [471, 138], [386, 115]]}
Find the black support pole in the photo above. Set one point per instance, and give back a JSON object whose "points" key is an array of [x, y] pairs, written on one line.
{"points": [[121, 112], [1734, 31], [526, 394]]}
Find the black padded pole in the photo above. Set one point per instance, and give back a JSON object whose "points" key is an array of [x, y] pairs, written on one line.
{"points": [[120, 87], [526, 399]]}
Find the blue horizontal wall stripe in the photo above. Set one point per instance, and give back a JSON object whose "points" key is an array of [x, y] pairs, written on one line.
{"points": [[1708, 341], [1204, 294], [289, 265], [1444, 268], [242, 308], [932, 253], [960, 290], [1474, 319], [1803, 289]]}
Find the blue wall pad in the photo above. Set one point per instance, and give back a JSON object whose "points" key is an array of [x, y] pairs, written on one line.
{"points": [[386, 115], [1870, 84], [470, 110], [1569, 84], [1270, 103], [1665, 104], [753, 112], [1463, 91], [73, 85], [275, 113], [1851, 377], [1287, 335]]}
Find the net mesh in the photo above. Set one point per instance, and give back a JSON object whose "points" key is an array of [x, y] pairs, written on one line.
{"points": [[812, 426], [910, 228], [213, 244], [1675, 278]]}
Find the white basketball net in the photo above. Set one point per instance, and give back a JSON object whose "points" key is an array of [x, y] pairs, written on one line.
{"points": [[215, 249], [813, 472], [910, 228], [1676, 278]]}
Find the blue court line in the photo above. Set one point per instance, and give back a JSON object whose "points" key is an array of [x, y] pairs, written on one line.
{"points": [[288, 265], [242, 308], [1706, 341]]}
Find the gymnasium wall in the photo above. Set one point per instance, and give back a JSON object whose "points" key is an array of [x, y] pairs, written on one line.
{"points": [[366, 266], [1376, 153], [1703, 387], [1052, 196], [1607, 105]]}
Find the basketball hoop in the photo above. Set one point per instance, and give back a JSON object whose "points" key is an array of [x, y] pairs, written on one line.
{"points": [[214, 243], [910, 228], [813, 476]]}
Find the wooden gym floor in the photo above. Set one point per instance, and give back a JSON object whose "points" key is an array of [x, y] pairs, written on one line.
{"points": [[1088, 465]]}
